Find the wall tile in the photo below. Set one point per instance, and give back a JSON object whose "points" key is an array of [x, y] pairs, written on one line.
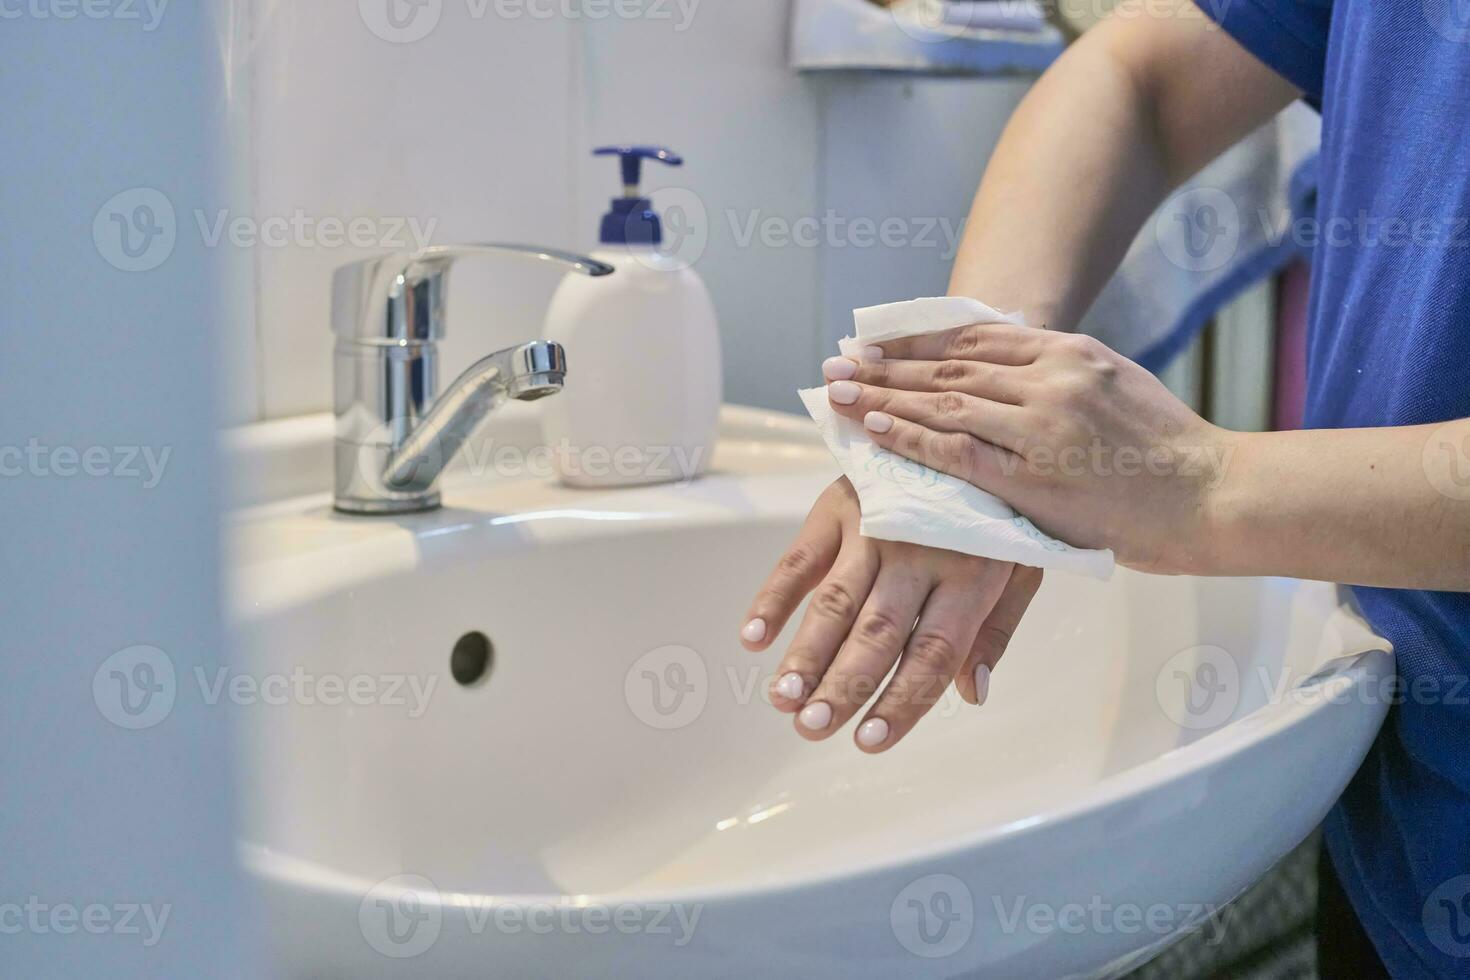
{"points": [[239, 347], [465, 131]]}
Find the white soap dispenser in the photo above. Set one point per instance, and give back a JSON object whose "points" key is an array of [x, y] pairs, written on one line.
{"points": [[643, 391]]}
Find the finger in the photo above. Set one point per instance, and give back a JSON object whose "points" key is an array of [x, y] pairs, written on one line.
{"points": [[995, 382], [795, 574], [829, 619], [874, 643], [934, 653], [987, 466], [997, 343], [946, 411], [995, 633]]}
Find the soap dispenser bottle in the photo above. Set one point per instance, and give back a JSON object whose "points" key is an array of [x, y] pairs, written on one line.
{"points": [[643, 393]]}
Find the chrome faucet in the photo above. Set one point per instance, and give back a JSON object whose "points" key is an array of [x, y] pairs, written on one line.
{"points": [[395, 433]]}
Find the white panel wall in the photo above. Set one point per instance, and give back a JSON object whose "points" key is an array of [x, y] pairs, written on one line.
{"points": [[117, 791], [903, 159], [464, 132], [478, 126]]}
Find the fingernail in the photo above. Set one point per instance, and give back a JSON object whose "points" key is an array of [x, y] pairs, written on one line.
{"points": [[791, 687], [843, 392], [872, 733], [838, 368], [872, 354], [816, 716], [982, 684], [877, 422], [753, 631]]}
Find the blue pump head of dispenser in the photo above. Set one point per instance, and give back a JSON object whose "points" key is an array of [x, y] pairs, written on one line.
{"points": [[632, 220]]}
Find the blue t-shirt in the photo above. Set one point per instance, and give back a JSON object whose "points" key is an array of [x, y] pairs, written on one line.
{"points": [[1389, 344]]}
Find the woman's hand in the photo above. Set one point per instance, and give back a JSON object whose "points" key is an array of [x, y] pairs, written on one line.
{"points": [[866, 596], [1090, 446]]}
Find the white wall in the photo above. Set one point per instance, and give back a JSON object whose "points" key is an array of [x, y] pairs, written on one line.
{"points": [[904, 157], [104, 359], [480, 127]]}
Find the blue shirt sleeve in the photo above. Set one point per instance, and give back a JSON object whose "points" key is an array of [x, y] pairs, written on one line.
{"points": [[1288, 36]]}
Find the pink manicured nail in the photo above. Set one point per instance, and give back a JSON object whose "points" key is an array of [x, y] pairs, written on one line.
{"points": [[982, 684], [877, 422], [791, 687], [872, 733], [816, 716], [753, 631], [843, 392], [872, 354], [838, 368]]}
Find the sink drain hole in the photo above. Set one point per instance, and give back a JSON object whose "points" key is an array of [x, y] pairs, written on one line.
{"points": [[472, 658]]}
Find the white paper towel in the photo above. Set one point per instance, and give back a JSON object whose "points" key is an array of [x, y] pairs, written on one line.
{"points": [[906, 501]]}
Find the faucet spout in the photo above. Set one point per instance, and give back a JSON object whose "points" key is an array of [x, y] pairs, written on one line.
{"points": [[524, 372], [395, 433]]}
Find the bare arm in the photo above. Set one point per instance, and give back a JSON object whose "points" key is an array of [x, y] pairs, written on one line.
{"points": [[1129, 112], [1387, 507], [1085, 442]]}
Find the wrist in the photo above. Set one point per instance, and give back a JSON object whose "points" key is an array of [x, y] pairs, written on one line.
{"points": [[1227, 501], [1040, 313]]}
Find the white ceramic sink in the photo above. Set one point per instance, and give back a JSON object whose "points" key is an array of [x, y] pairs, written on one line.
{"points": [[617, 799]]}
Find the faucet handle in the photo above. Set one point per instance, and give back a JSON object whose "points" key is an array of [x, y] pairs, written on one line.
{"points": [[399, 297]]}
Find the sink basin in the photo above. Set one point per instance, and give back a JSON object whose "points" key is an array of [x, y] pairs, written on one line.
{"points": [[595, 784]]}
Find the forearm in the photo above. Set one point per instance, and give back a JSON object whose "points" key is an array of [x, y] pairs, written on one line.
{"points": [[1125, 115], [1074, 174], [1387, 507]]}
